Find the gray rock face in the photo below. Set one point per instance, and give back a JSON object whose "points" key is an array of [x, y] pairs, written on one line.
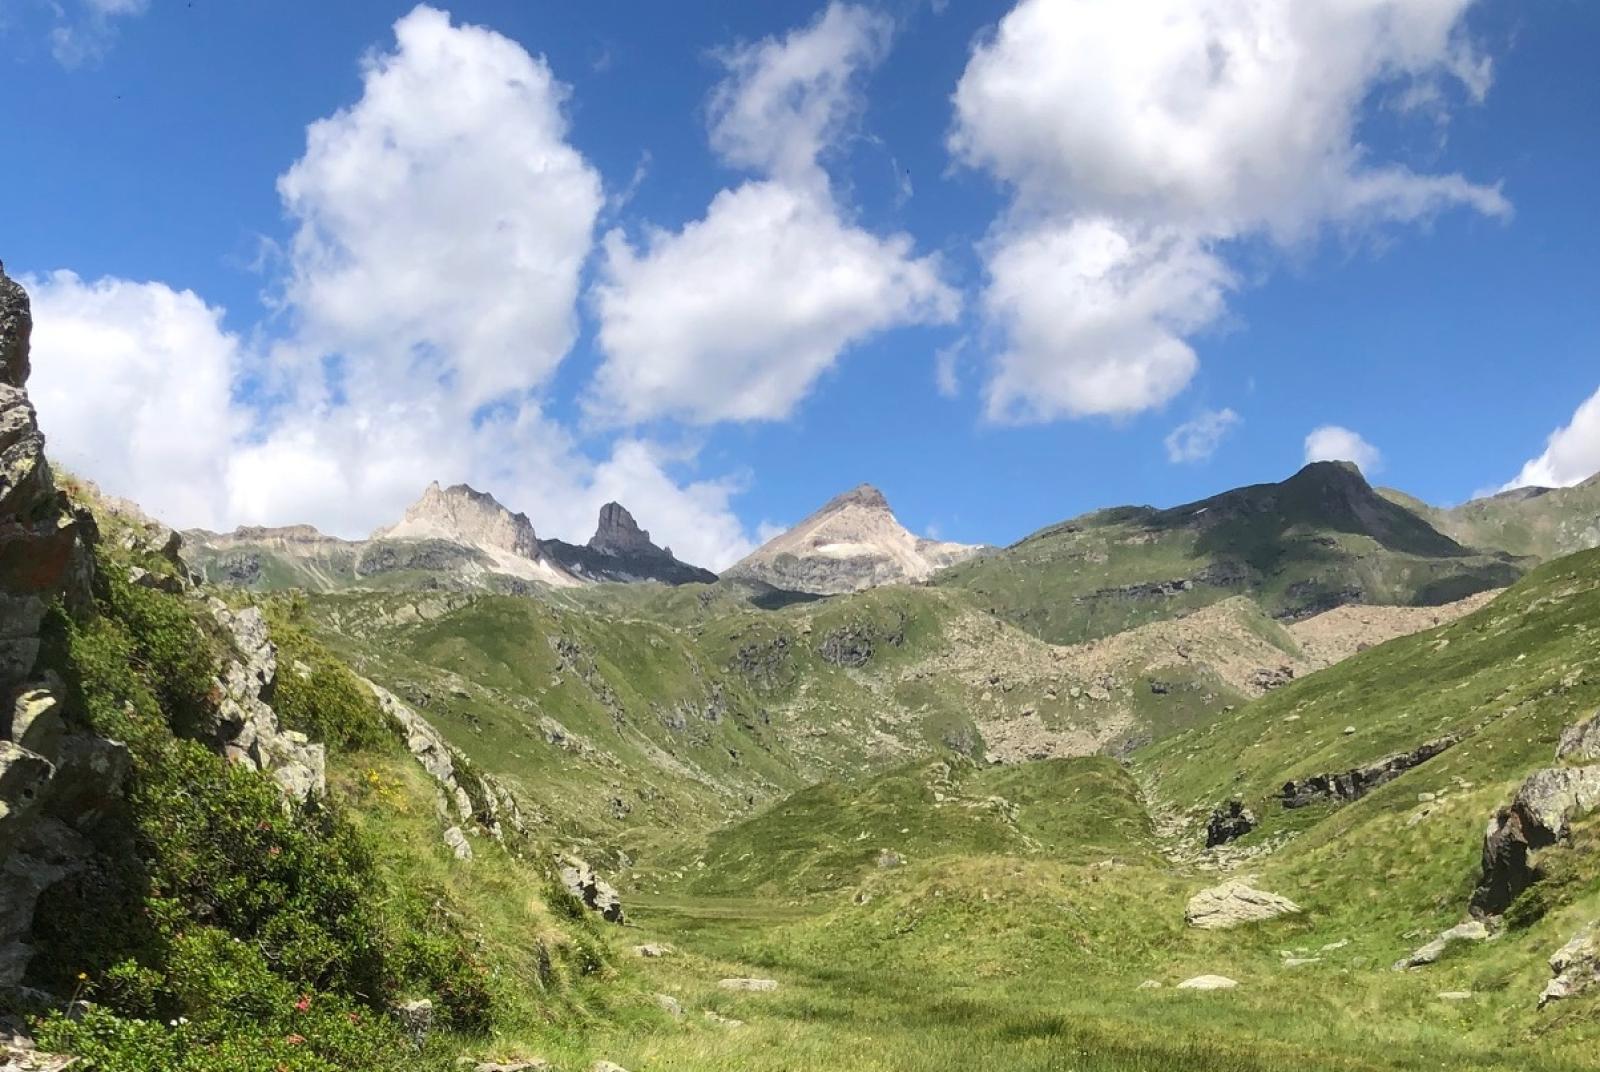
{"points": [[1537, 817], [1580, 743], [1471, 931], [456, 839], [1229, 822], [1575, 967], [596, 893], [1233, 904], [245, 728], [621, 551], [619, 534], [1357, 782]]}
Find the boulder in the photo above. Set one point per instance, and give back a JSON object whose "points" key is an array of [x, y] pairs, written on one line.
{"points": [[1229, 822], [1580, 743], [598, 895], [1575, 967], [756, 986], [1471, 931], [1537, 817], [416, 1019], [1233, 904], [606, 1066], [1208, 982], [652, 950], [670, 1005], [456, 839]]}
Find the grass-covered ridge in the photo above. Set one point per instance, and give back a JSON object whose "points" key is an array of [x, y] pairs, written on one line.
{"points": [[1320, 539]]}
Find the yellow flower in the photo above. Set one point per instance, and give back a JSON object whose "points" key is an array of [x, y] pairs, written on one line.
{"points": [[83, 977]]}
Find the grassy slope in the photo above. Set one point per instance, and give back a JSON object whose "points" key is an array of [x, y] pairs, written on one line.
{"points": [[1020, 944], [1544, 523], [1305, 544]]}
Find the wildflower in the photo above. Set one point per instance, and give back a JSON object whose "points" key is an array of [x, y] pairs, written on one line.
{"points": [[276, 850], [294, 1040], [303, 1004], [83, 977]]}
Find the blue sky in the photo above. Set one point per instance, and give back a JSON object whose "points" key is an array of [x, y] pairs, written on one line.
{"points": [[721, 290]]}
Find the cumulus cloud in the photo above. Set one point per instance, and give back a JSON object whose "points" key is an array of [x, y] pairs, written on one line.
{"points": [[85, 31], [737, 315], [133, 384], [441, 225], [443, 220], [1331, 443], [1571, 454], [1198, 439], [1179, 127]]}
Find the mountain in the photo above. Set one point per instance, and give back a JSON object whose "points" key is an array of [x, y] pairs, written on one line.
{"points": [[853, 542], [1543, 523], [620, 550], [1320, 539], [451, 537]]}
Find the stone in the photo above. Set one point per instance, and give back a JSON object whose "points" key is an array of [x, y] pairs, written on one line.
{"points": [[1300, 962], [1353, 784], [720, 1020], [1233, 904], [244, 728], [1149, 984], [888, 859], [757, 986], [1229, 822], [596, 893], [1537, 817], [36, 722], [1268, 678], [1575, 967], [606, 1066], [1580, 743], [670, 1005], [1471, 931], [1208, 982], [652, 950], [416, 1019], [1455, 995], [456, 839], [23, 778]]}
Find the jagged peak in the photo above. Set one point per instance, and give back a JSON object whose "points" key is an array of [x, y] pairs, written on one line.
{"points": [[617, 533], [464, 514], [864, 495]]}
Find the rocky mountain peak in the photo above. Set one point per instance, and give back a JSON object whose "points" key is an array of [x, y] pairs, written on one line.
{"points": [[854, 541], [462, 514], [16, 325], [619, 534]]}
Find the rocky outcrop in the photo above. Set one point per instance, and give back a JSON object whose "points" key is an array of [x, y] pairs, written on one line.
{"points": [[1233, 904], [1580, 742], [465, 517], [1537, 817], [1228, 823], [621, 551], [1575, 967], [57, 783], [853, 542], [244, 727], [596, 894], [1357, 782], [494, 808], [1470, 931]]}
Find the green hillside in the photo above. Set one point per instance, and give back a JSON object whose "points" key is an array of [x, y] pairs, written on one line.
{"points": [[1320, 539], [1540, 522]]}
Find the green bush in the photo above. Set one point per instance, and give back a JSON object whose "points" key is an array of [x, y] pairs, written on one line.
{"points": [[318, 696]]}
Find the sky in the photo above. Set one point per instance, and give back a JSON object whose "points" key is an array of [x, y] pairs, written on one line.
{"points": [[1008, 261]]}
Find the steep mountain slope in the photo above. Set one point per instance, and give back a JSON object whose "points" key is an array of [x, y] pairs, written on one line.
{"points": [[620, 550], [853, 542], [453, 538], [1321, 539], [1541, 522]]}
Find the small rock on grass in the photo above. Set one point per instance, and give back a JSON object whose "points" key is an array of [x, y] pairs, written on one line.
{"points": [[1208, 982], [1455, 995], [750, 985], [721, 1020], [670, 1005], [653, 949]]}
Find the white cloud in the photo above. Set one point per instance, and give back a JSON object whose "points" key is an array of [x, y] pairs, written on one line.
{"points": [[737, 315], [1095, 318], [442, 223], [85, 31], [1331, 443], [1571, 454], [132, 382], [443, 219], [1198, 439], [1183, 125]]}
